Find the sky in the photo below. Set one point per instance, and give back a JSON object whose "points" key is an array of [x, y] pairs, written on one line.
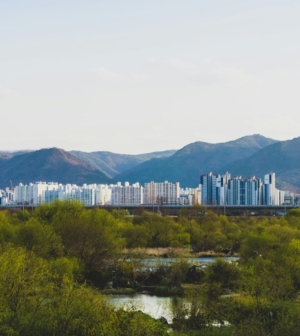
{"points": [[136, 76]]}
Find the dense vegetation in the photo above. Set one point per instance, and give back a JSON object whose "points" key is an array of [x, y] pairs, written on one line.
{"points": [[53, 261]]}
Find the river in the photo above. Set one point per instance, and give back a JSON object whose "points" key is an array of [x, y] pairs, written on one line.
{"points": [[153, 262], [150, 304], [153, 305]]}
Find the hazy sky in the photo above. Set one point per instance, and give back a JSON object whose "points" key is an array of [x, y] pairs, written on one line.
{"points": [[138, 76]]}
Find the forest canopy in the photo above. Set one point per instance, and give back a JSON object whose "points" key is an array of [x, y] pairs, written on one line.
{"points": [[54, 260]]}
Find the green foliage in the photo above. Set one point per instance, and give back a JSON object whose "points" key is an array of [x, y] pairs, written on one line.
{"points": [[176, 274], [62, 267], [7, 232], [193, 309], [58, 209], [162, 231], [24, 289], [128, 269], [210, 232], [89, 236], [293, 218], [40, 297], [139, 324], [48, 258], [23, 215], [135, 235], [293, 213], [39, 238], [224, 273], [120, 214]]}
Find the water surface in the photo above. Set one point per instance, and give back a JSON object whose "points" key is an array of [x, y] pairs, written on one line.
{"points": [[156, 306], [150, 304]]}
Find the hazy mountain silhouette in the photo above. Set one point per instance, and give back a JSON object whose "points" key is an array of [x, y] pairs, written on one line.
{"points": [[6, 155], [247, 156], [48, 165], [282, 158], [112, 164], [186, 165]]}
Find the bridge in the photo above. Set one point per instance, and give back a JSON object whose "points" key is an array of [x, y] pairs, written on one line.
{"points": [[175, 210]]}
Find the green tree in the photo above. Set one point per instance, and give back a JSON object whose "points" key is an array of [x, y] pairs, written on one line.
{"points": [[25, 290], [92, 236], [39, 238], [163, 231]]}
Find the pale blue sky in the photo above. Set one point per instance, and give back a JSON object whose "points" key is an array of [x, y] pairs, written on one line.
{"points": [[139, 76]]}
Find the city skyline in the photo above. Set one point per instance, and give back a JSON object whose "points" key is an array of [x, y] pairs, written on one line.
{"points": [[213, 190]]}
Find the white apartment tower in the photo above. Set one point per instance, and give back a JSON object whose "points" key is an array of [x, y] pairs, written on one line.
{"points": [[270, 193], [128, 194], [103, 195], [161, 193]]}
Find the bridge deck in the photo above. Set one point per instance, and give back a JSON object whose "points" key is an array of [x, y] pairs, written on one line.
{"points": [[174, 210]]}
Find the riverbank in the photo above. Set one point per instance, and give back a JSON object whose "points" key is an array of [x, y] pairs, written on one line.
{"points": [[158, 276]]}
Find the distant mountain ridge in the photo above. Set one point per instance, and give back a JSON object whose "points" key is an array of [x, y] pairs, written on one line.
{"points": [[6, 155], [186, 165], [51, 165], [112, 164], [282, 157], [247, 156]]}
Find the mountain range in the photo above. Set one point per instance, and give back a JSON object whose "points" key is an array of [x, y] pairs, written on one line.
{"points": [[247, 156], [52, 164], [6, 155], [112, 164], [282, 157], [197, 158]]}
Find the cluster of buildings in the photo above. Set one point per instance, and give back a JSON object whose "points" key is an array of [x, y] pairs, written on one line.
{"points": [[100, 194], [223, 190], [7, 196], [214, 189]]}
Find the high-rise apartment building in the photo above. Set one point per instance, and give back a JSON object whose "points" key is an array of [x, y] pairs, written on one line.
{"points": [[214, 188], [103, 194], [269, 193], [244, 191], [208, 189], [128, 194], [161, 193]]}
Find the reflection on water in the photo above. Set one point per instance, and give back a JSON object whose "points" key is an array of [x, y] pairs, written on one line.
{"points": [[153, 305], [150, 304], [200, 260], [153, 263]]}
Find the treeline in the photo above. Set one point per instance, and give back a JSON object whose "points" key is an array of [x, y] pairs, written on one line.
{"points": [[52, 260], [44, 260]]}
